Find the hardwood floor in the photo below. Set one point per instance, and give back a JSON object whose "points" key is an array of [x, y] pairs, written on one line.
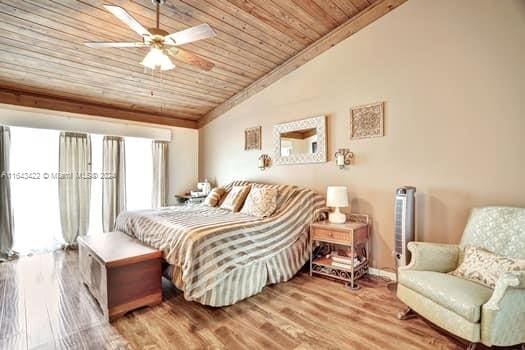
{"points": [[43, 305]]}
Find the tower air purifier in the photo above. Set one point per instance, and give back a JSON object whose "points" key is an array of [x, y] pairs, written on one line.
{"points": [[404, 223]]}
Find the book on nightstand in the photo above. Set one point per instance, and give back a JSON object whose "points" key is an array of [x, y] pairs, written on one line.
{"points": [[345, 262]]}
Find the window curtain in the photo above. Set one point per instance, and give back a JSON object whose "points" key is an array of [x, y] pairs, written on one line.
{"points": [[74, 185], [114, 180], [6, 209], [160, 159]]}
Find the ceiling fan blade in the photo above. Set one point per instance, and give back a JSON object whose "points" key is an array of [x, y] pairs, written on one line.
{"points": [[202, 31], [125, 17], [190, 58], [101, 45]]}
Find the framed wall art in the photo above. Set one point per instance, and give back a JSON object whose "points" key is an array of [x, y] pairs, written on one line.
{"points": [[252, 138], [367, 121]]}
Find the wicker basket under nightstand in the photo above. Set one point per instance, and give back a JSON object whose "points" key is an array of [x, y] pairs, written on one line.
{"points": [[353, 235]]}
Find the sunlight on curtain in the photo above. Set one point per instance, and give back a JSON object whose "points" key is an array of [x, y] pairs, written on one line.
{"points": [[34, 156], [139, 173], [35, 201], [139, 178], [95, 210]]}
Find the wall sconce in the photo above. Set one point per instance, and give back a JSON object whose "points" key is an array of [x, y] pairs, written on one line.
{"points": [[343, 157], [264, 161]]}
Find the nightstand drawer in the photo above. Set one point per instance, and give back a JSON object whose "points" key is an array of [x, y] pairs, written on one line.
{"points": [[329, 235]]}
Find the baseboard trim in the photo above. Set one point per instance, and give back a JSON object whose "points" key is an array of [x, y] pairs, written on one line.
{"points": [[382, 273]]}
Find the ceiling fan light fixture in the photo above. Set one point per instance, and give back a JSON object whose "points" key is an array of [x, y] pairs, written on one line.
{"points": [[160, 41], [156, 58]]}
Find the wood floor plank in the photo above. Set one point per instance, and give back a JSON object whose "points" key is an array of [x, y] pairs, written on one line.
{"points": [[230, 338], [86, 309], [17, 342], [239, 321], [60, 315], [303, 313], [309, 311], [104, 336], [12, 308], [39, 331], [13, 313], [354, 314], [71, 341]]}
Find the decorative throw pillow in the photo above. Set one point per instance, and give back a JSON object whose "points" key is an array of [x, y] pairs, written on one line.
{"points": [[235, 198], [214, 197], [261, 202], [484, 267]]}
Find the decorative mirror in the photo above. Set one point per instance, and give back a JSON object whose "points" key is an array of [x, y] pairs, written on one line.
{"points": [[300, 141]]}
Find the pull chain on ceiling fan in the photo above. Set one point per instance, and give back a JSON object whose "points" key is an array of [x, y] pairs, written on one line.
{"points": [[160, 41]]}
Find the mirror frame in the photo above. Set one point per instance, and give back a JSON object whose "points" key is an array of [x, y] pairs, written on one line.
{"points": [[318, 123]]}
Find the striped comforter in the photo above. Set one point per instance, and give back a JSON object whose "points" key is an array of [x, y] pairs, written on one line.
{"points": [[219, 257]]}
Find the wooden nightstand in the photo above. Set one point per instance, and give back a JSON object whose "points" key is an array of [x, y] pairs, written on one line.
{"points": [[352, 235]]}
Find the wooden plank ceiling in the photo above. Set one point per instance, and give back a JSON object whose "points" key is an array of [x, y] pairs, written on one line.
{"points": [[45, 64]]}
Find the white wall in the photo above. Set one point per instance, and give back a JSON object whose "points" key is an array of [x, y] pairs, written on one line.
{"points": [[46, 119], [183, 148], [183, 165]]}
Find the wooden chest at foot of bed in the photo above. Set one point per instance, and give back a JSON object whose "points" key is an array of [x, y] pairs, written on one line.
{"points": [[121, 273]]}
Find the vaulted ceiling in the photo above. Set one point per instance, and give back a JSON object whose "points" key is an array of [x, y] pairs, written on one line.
{"points": [[43, 61]]}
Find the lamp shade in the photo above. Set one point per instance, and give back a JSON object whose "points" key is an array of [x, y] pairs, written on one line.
{"points": [[156, 58], [337, 196]]}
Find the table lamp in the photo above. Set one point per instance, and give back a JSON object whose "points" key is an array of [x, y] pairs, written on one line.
{"points": [[337, 197]]}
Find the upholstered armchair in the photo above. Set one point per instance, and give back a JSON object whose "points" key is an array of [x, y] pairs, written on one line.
{"points": [[466, 309]]}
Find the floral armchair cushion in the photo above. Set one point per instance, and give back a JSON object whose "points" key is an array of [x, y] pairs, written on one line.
{"points": [[485, 267]]}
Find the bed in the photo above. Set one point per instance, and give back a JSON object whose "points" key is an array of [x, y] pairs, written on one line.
{"points": [[217, 257]]}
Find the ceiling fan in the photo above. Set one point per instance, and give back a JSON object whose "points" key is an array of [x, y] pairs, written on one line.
{"points": [[161, 42]]}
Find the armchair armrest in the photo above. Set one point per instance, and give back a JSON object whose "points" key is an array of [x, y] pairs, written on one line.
{"points": [[503, 320], [506, 281], [432, 257]]}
